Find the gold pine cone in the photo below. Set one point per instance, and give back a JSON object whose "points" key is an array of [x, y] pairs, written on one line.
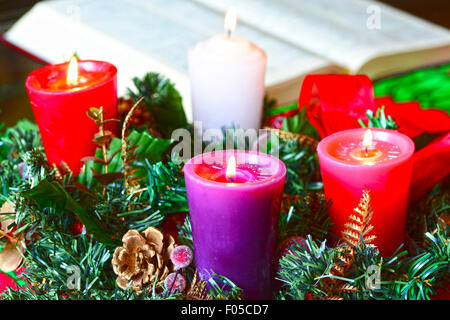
{"points": [[143, 257]]}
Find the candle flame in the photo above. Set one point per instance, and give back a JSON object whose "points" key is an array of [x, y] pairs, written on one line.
{"points": [[231, 167], [230, 19], [367, 140], [72, 72]]}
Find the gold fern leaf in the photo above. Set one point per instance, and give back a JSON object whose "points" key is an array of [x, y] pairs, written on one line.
{"points": [[131, 180]]}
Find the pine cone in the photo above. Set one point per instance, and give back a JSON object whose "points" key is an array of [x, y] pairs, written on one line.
{"points": [[141, 116], [142, 258]]}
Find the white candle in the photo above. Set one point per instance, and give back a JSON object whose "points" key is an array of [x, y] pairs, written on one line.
{"points": [[227, 80]]}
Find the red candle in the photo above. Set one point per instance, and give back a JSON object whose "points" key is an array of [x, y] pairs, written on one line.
{"points": [[60, 96], [378, 159]]}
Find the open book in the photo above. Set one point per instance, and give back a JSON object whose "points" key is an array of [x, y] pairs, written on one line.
{"points": [[299, 37]]}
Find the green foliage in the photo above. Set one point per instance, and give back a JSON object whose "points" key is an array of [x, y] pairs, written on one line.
{"points": [[379, 120], [55, 258], [223, 288], [403, 276], [51, 194], [302, 166], [429, 86], [300, 270], [306, 216], [162, 100], [48, 206], [24, 136], [146, 147], [17, 145], [166, 187], [299, 124], [185, 233]]}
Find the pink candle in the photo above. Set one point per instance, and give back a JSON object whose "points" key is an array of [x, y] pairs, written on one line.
{"points": [[234, 213], [379, 160]]}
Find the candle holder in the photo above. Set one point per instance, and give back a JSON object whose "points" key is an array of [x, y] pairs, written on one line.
{"points": [[60, 108], [234, 224], [384, 168]]}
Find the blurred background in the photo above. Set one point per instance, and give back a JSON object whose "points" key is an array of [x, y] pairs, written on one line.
{"points": [[15, 66]]}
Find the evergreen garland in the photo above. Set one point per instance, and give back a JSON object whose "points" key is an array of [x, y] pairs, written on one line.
{"points": [[49, 203]]}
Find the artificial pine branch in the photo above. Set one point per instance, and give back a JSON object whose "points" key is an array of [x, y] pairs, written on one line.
{"points": [[378, 120], [327, 272], [303, 215], [162, 101], [302, 167]]}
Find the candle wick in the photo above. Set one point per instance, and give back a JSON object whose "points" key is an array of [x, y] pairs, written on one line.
{"points": [[229, 33]]}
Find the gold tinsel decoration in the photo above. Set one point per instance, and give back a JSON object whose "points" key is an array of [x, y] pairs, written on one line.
{"points": [[11, 255], [62, 171], [131, 179], [301, 138], [358, 225], [197, 289], [143, 258]]}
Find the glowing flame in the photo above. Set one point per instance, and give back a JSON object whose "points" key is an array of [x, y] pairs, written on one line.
{"points": [[72, 72], [230, 19], [368, 137], [231, 168]]}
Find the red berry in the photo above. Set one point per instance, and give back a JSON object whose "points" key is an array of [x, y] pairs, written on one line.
{"points": [[178, 286], [181, 256], [21, 166], [285, 247], [77, 228]]}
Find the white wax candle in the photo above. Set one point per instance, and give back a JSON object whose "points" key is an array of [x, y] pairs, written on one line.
{"points": [[227, 82]]}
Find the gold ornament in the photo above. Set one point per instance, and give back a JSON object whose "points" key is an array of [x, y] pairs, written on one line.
{"points": [[11, 256], [303, 140], [143, 258], [197, 289]]}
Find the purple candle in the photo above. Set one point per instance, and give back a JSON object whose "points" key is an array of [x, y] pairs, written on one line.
{"points": [[234, 214]]}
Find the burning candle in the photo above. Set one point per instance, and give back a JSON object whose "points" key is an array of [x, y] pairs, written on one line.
{"points": [[60, 96], [379, 160], [234, 212], [227, 79]]}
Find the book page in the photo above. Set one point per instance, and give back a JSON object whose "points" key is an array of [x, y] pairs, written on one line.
{"points": [[166, 30], [140, 36], [337, 29]]}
